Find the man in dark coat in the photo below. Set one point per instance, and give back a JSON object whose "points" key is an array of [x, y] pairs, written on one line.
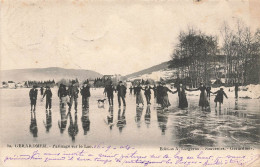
{"points": [[85, 92], [121, 92], [33, 96], [73, 95], [147, 93], [109, 91], [48, 95], [62, 94]]}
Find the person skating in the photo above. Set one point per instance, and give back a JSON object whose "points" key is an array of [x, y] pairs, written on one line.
{"points": [[155, 93], [73, 95], [42, 90], [208, 90], [147, 93], [121, 92], [159, 89], [164, 95], [62, 94], [183, 103], [48, 95], [203, 102], [139, 97], [219, 97], [85, 92], [109, 91], [33, 97], [131, 89]]}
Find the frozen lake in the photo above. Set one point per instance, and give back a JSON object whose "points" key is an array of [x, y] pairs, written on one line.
{"points": [[236, 125]]}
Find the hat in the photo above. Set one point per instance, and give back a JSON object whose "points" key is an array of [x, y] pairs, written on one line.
{"points": [[73, 81], [120, 82], [47, 86]]}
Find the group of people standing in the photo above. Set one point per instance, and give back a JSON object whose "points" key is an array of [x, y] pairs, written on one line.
{"points": [[162, 99], [69, 95]]}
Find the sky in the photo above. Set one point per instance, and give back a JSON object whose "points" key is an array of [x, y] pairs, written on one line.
{"points": [[109, 37]]}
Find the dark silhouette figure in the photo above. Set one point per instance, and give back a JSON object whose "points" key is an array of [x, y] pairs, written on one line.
{"points": [[183, 103], [208, 90], [48, 95], [155, 93], [85, 92], [159, 94], [85, 121], [33, 97], [109, 91], [121, 92], [121, 120], [33, 125], [131, 89], [48, 123], [164, 95], [73, 126], [73, 95], [219, 97], [42, 89], [139, 97], [62, 94], [147, 93], [203, 102]]}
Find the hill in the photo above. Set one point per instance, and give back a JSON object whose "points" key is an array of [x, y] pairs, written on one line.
{"points": [[162, 66], [41, 74]]}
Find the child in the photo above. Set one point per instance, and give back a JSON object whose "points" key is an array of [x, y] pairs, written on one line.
{"points": [[219, 98]]}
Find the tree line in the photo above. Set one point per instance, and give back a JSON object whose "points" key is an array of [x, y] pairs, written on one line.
{"points": [[198, 57]]}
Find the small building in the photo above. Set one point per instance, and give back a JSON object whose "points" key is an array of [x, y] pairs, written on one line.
{"points": [[11, 84]]}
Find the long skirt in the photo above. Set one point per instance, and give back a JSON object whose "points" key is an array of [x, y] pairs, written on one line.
{"points": [[165, 101], [139, 99], [203, 100], [183, 103]]}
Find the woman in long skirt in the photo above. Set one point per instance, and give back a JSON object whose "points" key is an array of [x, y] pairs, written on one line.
{"points": [[203, 102], [159, 97], [165, 99], [139, 97], [183, 103]]}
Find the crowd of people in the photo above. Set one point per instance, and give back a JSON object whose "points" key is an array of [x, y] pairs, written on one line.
{"points": [[69, 96]]}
